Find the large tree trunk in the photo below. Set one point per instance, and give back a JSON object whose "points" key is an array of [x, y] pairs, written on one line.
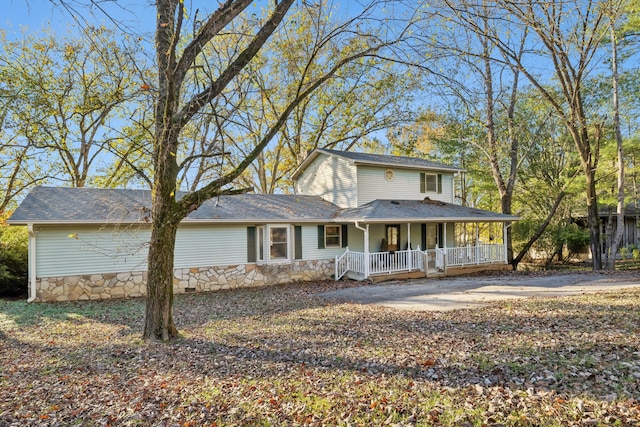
{"points": [[617, 240], [166, 217], [159, 323], [593, 221]]}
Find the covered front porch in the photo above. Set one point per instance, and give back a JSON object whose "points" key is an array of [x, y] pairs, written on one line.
{"points": [[437, 261], [427, 236]]}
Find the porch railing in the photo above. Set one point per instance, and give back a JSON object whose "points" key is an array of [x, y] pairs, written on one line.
{"points": [[349, 261], [481, 254], [395, 261], [409, 260]]}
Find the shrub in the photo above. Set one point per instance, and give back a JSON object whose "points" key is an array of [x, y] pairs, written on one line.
{"points": [[636, 254], [13, 260], [624, 253]]}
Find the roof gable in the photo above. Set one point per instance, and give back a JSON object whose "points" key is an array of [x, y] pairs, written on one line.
{"points": [[382, 160]]}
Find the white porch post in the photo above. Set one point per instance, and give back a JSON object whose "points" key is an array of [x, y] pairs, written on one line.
{"points": [[504, 242], [409, 252], [366, 252], [477, 246], [444, 236]]}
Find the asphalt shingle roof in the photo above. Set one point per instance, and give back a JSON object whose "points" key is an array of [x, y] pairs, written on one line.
{"points": [[88, 205], [58, 205], [384, 159], [418, 211]]}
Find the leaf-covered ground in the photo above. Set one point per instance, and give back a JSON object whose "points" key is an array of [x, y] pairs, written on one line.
{"points": [[280, 356]]}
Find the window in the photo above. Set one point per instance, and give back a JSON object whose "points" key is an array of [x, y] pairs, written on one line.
{"points": [[332, 236], [430, 183], [278, 243], [267, 243]]}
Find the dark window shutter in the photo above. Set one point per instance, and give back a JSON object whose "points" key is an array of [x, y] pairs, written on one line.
{"points": [[423, 237], [321, 237], [251, 244], [439, 183], [423, 187], [298, 241], [344, 236], [439, 242]]}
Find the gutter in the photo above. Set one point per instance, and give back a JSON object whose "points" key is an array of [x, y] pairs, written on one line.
{"points": [[32, 262]]}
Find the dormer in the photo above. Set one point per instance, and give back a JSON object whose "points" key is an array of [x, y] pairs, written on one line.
{"points": [[350, 179]]}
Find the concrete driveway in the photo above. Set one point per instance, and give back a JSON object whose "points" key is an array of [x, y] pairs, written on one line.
{"points": [[469, 292]]}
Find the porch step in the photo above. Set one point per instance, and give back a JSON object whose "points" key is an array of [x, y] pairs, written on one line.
{"points": [[384, 277], [355, 276], [434, 272]]}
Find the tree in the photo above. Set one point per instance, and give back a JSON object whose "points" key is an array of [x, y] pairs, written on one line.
{"points": [[546, 180], [17, 173], [69, 103], [617, 15], [177, 106], [570, 36], [363, 97]]}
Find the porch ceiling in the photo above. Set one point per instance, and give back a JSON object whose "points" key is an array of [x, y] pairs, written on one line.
{"points": [[385, 211]]}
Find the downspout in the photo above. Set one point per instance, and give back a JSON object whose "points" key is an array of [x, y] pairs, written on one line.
{"points": [[366, 248], [32, 263]]}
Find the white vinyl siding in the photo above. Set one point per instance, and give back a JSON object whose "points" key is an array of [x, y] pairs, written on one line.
{"points": [[332, 178], [204, 246], [405, 185], [92, 250]]}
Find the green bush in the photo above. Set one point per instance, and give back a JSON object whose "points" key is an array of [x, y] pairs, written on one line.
{"points": [[13, 260], [576, 238], [624, 253], [636, 254]]}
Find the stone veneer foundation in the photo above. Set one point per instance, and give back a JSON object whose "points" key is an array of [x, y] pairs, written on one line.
{"points": [[198, 279]]}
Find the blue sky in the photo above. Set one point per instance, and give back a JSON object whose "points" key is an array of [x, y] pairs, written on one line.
{"points": [[39, 14], [135, 16]]}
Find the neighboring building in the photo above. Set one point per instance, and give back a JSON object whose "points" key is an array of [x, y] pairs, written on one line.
{"points": [[365, 216], [608, 224]]}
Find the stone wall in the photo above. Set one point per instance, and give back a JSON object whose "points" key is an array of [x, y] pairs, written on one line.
{"points": [[198, 279]]}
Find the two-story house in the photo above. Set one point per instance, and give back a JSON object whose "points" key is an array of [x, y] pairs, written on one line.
{"points": [[354, 214]]}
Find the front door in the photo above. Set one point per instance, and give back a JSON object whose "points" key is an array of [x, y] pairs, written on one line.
{"points": [[393, 237], [432, 237]]}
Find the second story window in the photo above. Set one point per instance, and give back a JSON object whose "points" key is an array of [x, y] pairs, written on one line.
{"points": [[430, 183]]}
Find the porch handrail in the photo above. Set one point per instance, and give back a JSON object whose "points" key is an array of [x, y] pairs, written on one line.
{"points": [[341, 265], [349, 261]]}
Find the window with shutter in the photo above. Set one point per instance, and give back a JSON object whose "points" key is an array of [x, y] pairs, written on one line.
{"points": [[430, 183]]}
